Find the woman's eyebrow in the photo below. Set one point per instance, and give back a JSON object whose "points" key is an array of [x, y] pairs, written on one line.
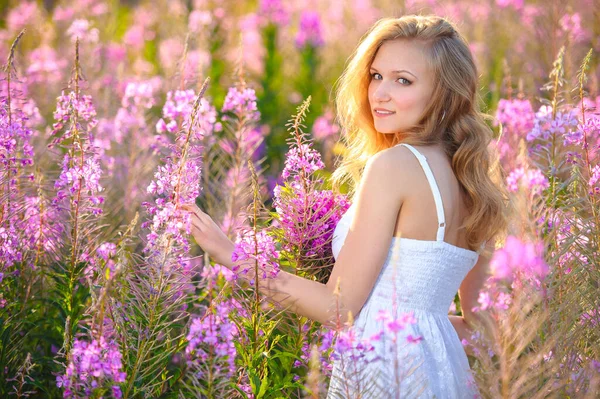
{"points": [[397, 72]]}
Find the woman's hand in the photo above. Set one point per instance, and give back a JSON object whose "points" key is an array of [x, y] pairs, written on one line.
{"points": [[210, 237]]}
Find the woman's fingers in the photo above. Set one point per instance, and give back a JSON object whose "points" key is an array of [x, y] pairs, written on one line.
{"points": [[198, 223], [201, 222], [195, 211], [203, 216]]}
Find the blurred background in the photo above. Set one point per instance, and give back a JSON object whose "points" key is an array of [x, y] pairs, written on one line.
{"points": [[285, 50]]}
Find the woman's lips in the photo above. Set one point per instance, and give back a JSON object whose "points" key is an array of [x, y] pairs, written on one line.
{"points": [[383, 115]]}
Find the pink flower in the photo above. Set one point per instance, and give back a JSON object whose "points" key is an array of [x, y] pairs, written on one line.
{"points": [[571, 25], [241, 101], [213, 336], [261, 249], [198, 20], [176, 182], [324, 127], [63, 13], [310, 30], [516, 116], [135, 37], [413, 340], [92, 365], [516, 4], [81, 28], [252, 42], [532, 179], [518, 256], [483, 300], [45, 65], [395, 326], [302, 159], [22, 15], [274, 11]]}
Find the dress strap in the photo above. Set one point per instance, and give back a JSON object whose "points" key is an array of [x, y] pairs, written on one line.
{"points": [[434, 189]]}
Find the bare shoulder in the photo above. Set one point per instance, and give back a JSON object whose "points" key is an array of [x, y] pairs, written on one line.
{"points": [[396, 166], [396, 159]]}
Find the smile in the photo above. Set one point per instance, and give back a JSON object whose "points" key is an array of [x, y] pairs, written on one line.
{"points": [[382, 114]]}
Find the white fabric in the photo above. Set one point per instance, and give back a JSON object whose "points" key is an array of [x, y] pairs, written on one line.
{"points": [[421, 277]]}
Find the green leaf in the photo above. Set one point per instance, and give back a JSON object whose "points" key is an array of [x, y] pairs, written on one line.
{"points": [[264, 384]]}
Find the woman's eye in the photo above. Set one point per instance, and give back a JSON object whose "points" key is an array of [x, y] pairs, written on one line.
{"points": [[403, 81]]}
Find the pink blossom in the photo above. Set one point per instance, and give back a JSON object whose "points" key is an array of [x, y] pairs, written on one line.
{"points": [[178, 108], [198, 20], [516, 116], [81, 28], [252, 43], [484, 300], [302, 159], [563, 125], [309, 32], [518, 257], [63, 13], [170, 51], [176, 182], [261, 249], [130, 121], [241, 101], [571, 25], [533, 180], [324, 127], [136, 36], [115, 53], [45, 65], [274, 11], [92, 365], [25, 13], [16, 155], [106, 250], [516, 4], [213, 336]]}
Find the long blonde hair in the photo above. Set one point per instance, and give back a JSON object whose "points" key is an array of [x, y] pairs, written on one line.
{"points": [[453, 118]]}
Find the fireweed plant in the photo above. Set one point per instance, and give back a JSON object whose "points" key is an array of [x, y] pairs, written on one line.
{"points": [[224, 354], [18, 243], [226, 183], [540, 305], [270, 347], [130, 147], [157, 289]]}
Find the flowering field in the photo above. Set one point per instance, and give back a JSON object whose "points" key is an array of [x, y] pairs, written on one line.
{"points": [[115, 114]]}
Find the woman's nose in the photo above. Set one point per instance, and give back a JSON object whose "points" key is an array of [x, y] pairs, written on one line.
{"points": [[381, 93]]}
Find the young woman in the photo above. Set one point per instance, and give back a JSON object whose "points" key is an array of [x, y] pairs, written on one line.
{"points": [[425, 184]]}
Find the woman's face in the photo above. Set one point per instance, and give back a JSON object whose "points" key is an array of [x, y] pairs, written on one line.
{"points": [[401, 83]]}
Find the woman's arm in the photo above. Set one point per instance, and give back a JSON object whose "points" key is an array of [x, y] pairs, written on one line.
{"points": [[308, 298], [379, 198], [468, 294]]}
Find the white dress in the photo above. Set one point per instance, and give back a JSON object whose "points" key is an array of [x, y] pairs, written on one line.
{"points": [[421, 277]]}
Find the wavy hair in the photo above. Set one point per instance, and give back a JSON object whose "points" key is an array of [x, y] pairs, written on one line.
{"points": [[452, 118]]}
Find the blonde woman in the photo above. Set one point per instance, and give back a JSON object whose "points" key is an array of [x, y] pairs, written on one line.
{"points": [[425, 184]]}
